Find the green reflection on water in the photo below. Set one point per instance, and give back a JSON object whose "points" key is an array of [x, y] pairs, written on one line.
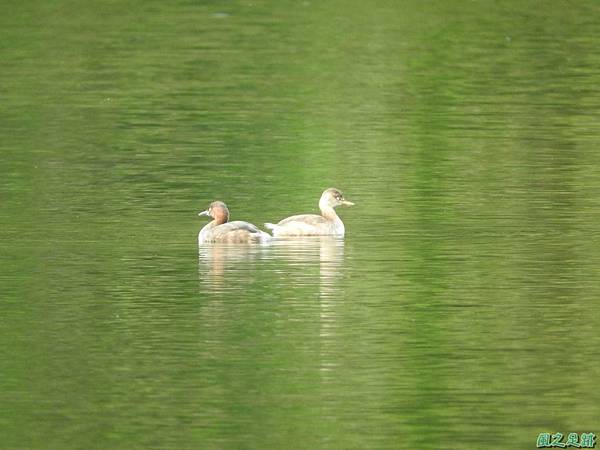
{"points": [[459, 311]]}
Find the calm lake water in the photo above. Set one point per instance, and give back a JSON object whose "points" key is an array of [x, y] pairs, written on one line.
{"points": [[461, 310]]}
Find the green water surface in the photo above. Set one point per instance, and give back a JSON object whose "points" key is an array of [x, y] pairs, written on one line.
{"points": [[461, 310]]}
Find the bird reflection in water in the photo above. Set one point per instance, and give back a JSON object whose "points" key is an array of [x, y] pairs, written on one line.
{"points": [[222, 266], [281, 268], [225, 266], [328, 252], [324, 252]]}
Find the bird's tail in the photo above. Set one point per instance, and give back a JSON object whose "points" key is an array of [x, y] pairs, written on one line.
{"points": [[271, 226]]}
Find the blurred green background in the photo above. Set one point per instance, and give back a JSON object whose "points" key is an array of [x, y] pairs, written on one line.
{"points": [[459, 312]]}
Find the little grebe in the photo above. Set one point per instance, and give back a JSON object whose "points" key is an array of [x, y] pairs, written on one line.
{"points": [[221, 230], [326, 224]]}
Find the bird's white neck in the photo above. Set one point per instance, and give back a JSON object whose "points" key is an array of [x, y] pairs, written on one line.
{"points": [[327, 211]]}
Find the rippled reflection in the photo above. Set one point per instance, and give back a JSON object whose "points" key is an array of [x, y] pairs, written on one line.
{"points": [[225, 266], [325, 251], [220, 264], [467, 136], [328, 253]]}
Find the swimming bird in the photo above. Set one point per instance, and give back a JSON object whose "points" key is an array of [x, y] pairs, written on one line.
{"points": [[326, 224], [221, 230]]}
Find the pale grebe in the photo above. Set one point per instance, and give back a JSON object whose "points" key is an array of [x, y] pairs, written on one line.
{"points": [[221, 230], [327, 224]]}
